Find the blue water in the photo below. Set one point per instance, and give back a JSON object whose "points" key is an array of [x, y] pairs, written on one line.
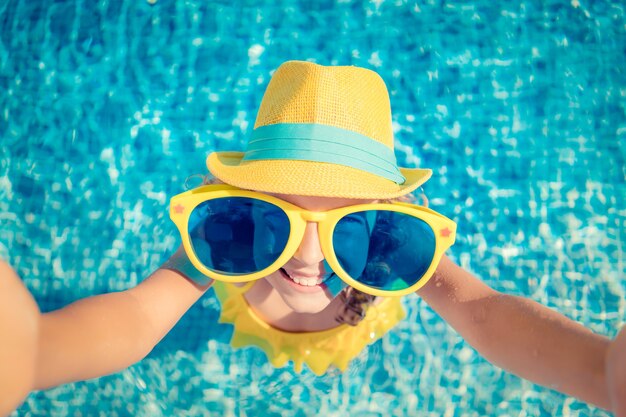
{"points": [[519, 109]]}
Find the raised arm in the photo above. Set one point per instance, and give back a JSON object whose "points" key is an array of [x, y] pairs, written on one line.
{"points": [[19, 328], [616, 373], [104, 334], [520, 335]]}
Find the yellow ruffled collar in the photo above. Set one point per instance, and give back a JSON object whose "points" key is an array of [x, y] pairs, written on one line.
{"points": [[319, 350]]}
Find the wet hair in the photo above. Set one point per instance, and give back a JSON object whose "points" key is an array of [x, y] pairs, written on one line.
{"points": [[355, 303], [354, 306]]}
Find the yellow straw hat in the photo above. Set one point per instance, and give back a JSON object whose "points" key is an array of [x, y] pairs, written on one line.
{"points": [[321, 131]]}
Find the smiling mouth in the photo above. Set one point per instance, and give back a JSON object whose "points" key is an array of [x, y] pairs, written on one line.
{"points": [[305, 282]]}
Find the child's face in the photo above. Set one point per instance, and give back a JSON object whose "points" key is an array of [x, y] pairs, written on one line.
{"points": [[307, 263]]}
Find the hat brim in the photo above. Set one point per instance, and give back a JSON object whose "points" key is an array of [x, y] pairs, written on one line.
{"points": [[310, 178]]}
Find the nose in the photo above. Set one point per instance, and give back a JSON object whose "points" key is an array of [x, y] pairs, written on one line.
{"points": [[310, 252]]}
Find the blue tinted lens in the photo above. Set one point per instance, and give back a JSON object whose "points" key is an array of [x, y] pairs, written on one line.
{"points": [[238, 235], [386, 250]]}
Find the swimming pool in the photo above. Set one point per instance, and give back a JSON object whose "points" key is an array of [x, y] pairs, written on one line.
{"points": [[520, 111]]}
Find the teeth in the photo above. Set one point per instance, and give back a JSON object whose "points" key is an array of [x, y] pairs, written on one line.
{"points": [[307, 282]]}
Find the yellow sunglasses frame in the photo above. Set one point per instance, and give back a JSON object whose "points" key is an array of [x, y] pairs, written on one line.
{"points": [[182, 205]]}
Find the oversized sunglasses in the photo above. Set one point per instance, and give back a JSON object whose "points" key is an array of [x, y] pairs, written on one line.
{"points": [[235, 235]]}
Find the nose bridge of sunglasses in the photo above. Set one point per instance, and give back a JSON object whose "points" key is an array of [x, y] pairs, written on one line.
{"points": [[313, 216]]}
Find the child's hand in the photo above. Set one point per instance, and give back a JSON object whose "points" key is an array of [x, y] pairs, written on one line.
{"points": [[616, 373]]}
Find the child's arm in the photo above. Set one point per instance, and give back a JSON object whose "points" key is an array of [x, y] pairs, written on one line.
{"points": [[616, 373], [520, 335], [104, 334], [19, 326]]}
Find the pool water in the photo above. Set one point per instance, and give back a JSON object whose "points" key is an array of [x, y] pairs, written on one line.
{"points": [[520, 110]]}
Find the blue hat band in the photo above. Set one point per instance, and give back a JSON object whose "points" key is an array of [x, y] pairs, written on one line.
{"points": [[318, 143]]}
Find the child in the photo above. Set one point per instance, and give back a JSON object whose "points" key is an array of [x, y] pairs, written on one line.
{"points": [[309, 253]]}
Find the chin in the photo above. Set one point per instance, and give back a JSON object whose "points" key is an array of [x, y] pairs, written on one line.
{"points": [[306, 303]]}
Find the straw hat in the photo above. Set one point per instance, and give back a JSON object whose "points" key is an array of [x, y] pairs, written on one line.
{"points": [[321, 131]]}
